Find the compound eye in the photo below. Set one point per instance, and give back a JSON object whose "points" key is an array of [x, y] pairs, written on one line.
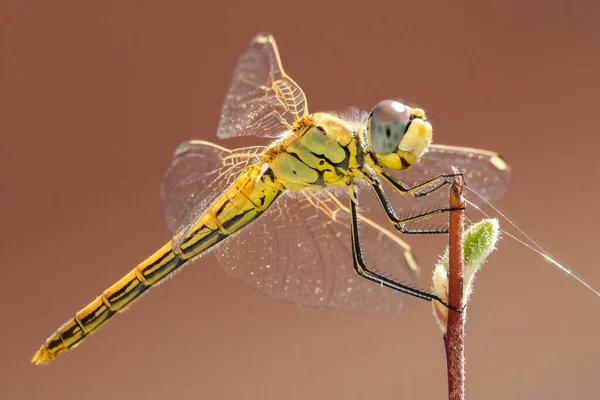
{"points": [[387, 124]]}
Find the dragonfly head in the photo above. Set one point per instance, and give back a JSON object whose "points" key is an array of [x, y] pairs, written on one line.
{"points": [[397, 134]]}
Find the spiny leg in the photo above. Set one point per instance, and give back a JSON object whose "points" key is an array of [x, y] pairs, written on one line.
{"points": [[399, 223], [362, 269], [431, 185], [438, 182]]}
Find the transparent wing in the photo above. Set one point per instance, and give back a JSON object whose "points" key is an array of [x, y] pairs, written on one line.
{"points": [[300, 251], [262, 100], [199, 172], [485, 170]]}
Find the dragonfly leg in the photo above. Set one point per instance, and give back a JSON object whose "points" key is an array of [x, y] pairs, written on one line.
{"points": [[400, 223], [362, 269], [428, 186]]}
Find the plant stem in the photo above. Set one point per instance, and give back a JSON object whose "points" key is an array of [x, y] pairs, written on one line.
{"points": [[455, 333]]}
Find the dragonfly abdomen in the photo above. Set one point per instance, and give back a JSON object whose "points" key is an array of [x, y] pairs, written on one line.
{"points": [[114, 299], [252, 193]]}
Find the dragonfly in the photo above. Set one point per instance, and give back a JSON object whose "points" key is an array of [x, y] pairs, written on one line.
{"points": [[284, 218]]}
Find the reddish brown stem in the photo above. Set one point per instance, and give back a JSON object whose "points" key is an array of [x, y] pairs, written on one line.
{"points": [[455, 334]]}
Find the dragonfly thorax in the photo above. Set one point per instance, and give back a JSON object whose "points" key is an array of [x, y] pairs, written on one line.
{"points": [[321, 150]]}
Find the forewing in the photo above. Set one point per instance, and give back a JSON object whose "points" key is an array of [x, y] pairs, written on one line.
{"points": [[300, 251], [200, 172], [262, 100], [487, 171]]}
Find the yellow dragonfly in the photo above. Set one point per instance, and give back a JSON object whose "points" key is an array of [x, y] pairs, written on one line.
{"points": [[284, 218]]}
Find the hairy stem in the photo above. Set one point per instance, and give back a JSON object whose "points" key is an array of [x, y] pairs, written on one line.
{"points": [[455, 333]]}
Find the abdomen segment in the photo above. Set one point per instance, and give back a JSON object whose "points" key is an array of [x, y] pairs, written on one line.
{"points": [[242, 203]]}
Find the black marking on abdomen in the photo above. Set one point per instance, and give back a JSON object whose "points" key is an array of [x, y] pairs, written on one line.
{"points": [[233, 220], [168, 265], [200, 242], [55, 343], [73, 331], [220, 236], [215, 232], [158, 260], [194, 233], [220, 210], [117, 297], [93, 317]]}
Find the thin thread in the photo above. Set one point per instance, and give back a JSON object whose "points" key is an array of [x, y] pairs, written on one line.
{"points": [[536, 247]]}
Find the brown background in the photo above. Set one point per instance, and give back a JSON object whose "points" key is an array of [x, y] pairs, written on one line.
{"points": [[94, 98]]}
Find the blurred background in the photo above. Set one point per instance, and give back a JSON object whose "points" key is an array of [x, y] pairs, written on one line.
{"points": [[95, 97]]}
